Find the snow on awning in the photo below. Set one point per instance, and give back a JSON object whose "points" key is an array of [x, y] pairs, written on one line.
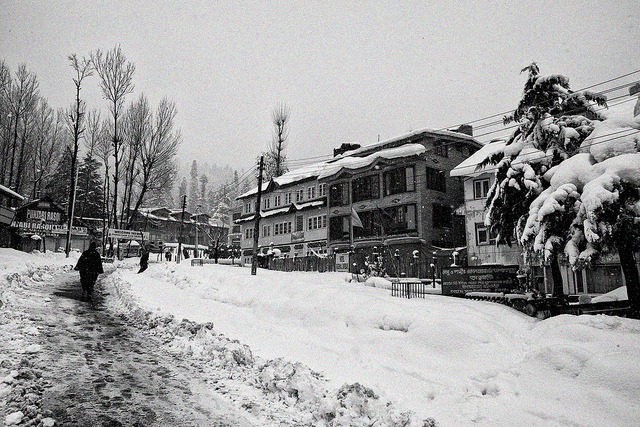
{"points": [[469, 167], [315, 203], [9, 192], [245, 219], [287, 209]]}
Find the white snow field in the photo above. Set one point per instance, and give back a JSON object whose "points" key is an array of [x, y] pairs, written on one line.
{"points": [[458, 361], [461, 362]]}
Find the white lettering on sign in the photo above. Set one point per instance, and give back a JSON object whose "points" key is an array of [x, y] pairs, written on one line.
{"points": [[116, 233], [43, 215], [48, 228]]}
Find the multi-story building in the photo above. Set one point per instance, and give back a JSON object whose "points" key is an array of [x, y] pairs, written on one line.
{"points": [[402, 193], [293, 215], [481, 242], [602, 277], [163, 224]]}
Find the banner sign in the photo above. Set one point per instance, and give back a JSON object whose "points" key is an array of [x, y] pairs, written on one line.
{"points": [[49, 216], [457, 281], [342, 262], [38, 227], [116, 233]]}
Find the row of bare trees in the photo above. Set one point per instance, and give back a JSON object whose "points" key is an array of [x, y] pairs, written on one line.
{"points": [[132, 148]]}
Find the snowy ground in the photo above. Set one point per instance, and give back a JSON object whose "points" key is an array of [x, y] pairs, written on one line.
{"points": [[306, 339]]}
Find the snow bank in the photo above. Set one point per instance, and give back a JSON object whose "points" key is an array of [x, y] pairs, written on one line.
{"points": [[461, 362]]}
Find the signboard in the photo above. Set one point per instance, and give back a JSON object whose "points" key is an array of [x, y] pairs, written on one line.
{"points": [[342, 262], [156, 247], [39, 227], [116, 233], [49, 216], [297, 236], [6, 215], [457, 281]]}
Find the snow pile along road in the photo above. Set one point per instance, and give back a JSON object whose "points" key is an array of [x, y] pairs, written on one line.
{"points": [[21, 380], [458, 361], [291, 391]]}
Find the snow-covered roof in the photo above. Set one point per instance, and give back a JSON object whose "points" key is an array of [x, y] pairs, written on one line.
{"points": [[350, 159], [352, 162], [469, 167], [9, 192], [411, 134]]}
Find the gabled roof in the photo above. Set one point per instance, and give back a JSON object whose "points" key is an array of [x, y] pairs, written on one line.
{"points": [[43, 199], [361, 157], [469, 167]]}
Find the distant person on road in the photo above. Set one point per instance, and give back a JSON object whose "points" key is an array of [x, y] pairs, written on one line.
{"points": [[144, 259], [90, 266], [167, 255], [185, 252]]}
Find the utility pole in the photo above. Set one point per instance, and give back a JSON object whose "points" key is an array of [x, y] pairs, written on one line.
{"points": [[195, 252], [256, 230], [184, 206]]}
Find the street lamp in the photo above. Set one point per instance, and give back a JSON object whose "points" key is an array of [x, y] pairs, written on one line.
{"points": [[433, 270]]}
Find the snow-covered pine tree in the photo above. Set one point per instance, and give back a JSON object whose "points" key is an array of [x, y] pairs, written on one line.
{"points": [[552, 123], [90, 194]]}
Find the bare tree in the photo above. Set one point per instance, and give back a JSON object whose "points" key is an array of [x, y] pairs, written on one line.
{"points": [[136, 131], [116, 82], [22, 95], [104, 150], [48, 142], [280, 119], [157, 166], [83, 69]]}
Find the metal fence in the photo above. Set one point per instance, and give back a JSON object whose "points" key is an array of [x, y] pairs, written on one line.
{"points": [[308, 263], [408, 288]]}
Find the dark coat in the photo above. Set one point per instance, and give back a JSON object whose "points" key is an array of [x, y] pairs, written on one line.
{"points": [[89, 265]]}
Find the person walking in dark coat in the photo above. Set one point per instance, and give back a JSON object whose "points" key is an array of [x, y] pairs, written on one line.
{"points": [[90, 266], [144, 260]]}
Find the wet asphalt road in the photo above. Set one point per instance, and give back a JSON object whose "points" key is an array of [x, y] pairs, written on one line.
{"points": [[105, 372]]}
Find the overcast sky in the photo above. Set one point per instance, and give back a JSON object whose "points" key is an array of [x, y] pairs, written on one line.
{"points": [[348, 70]]}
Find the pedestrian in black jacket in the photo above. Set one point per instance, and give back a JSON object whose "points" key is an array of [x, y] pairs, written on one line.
{"points": [[90, 266], [144, 260]]}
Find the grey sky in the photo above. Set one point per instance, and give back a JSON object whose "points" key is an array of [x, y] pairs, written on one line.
{"points": [[349, 70]]}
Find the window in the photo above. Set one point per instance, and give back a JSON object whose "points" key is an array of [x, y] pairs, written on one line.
{"points": [[339, 194], [282, 228], [322, 190], [396, 219], [248, 233], [299, 195], [339, 228], [366, 188], [436, 180], [484, 236], [442, 216], [276, 200], [316, 222], [248, 207], [287, 198], [399, 180], [311, 193], [441, 149], [299, 223], [236, 229], [266, 230], [266, 203], [480, 188]]}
